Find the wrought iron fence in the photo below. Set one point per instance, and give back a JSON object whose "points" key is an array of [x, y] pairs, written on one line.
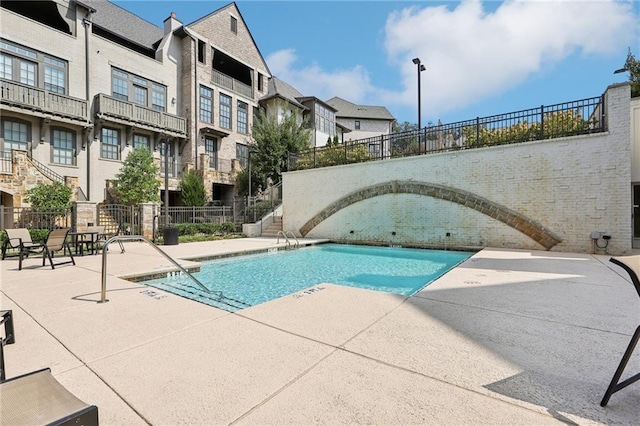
{"points": [[32, 218], [119, 219], [206, 214], [545, 122]]}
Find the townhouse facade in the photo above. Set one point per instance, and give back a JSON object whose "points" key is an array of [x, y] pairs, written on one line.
{"points": [[365, 121], [320, 117], [83, 83]]}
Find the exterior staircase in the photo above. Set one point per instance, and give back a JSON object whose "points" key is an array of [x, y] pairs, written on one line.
{"points": [[272, 230]]}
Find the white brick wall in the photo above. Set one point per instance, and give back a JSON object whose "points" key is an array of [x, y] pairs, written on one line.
{"points": [[572, 186]]}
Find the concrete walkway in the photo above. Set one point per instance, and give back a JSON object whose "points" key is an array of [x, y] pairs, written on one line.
{"points": [[509, 337]]}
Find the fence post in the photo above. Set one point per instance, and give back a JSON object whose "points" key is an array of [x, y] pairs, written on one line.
{"points": [[541, 122], [477, 131]]}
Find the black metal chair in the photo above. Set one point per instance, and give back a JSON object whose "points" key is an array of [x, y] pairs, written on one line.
{"points": [[631, 264]]}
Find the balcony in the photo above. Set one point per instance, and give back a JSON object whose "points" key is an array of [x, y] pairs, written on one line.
{"points": [[124, 112], [23, 98], [232, 84]]}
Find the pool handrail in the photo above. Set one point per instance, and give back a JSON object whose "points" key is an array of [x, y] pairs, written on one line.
{"points": [[286, 238], [103, 291]]}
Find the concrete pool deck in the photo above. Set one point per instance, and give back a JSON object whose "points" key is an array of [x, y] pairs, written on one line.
{"points": [[508, 337]]}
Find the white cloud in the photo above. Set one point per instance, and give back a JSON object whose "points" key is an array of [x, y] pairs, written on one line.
{"points": [[469, 52], [352, 83]]}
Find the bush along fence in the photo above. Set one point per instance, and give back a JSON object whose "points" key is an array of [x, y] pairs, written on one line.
{"points": [[143, 219], [544, 122]]}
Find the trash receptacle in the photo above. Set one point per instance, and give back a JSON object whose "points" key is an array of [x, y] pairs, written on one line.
{"points": [[170, 236]]}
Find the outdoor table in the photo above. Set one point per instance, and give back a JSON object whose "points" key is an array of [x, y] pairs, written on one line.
{"points": [[82, 238]]}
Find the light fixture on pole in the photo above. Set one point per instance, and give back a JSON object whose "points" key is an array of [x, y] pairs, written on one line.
{"points": [[621, 70], [420, 69]]}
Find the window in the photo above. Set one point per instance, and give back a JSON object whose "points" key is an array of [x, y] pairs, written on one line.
{"points": [[201, 52], [63, 146], [124, 85], [16, 134], [225, 111], [32, 68], [234, 25], [55, 75], [110, 144], [357, 125], [242, 155], [159, 97], [119, 85], [242, 117], [211, 148], [325, 120], [141, 141], [260, 83], [206, 104]]}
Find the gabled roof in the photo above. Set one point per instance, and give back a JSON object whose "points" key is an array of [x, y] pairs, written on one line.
{"points": [[279, 89], [350, 110], [235, 6], [125, 24]]}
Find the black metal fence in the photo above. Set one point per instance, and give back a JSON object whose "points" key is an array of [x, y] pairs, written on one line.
{"points": [[544, 122], [32, 218]]}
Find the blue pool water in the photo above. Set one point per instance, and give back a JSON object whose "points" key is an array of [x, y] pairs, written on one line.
{"points": [[259, 278]]}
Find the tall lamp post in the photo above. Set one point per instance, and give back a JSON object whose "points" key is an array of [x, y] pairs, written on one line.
{"points": [[420, 69]]}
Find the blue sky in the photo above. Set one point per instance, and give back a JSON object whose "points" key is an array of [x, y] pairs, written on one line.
{"points": [[482, 58]]}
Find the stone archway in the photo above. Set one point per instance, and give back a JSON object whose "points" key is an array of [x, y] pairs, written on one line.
{"points": [[515, 220]]}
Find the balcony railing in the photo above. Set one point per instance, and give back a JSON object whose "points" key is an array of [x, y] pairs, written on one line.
{"points": [[232, 84], [545, 122], [111, 108], [220, 164], [35, 99]]}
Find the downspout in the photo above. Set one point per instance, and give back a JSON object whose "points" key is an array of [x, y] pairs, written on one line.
{"points": [[87, 23]]}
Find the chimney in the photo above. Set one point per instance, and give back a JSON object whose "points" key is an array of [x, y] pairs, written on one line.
{"points": [[171, 24]]}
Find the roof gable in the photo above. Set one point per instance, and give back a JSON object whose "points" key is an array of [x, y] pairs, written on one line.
{"points": [[350, 110], [216, 28]]}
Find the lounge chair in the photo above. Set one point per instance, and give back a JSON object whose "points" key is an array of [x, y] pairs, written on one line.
{"points": [[37, 398], [18, 239], [56, 241], [631, 264]]}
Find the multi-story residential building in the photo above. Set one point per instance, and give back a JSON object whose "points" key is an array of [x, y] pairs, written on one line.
{"points": [[85, 82], [283, 99], [365, 121]]}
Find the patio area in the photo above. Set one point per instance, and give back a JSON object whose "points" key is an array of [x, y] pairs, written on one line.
{"points": [[508, 337]]}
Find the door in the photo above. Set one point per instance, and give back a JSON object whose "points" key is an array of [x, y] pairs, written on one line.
{"points": [[635, 216]]}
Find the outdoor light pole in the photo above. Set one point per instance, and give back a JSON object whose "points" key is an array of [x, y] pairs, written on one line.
{"points": [[420, 69]]}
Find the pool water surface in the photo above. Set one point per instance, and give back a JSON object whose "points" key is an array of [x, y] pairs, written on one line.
{"points": [[255, 279]]}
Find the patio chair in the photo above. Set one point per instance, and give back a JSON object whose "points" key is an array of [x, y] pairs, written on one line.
{"points": [[631, 264], [55, 242], [104, 236], [18, 239]]}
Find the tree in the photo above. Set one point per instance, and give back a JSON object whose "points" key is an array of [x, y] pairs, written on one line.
{"points": [[137, 180], [242, 182], [192, 190], [273, 142], [633, 66], [49, 202]]}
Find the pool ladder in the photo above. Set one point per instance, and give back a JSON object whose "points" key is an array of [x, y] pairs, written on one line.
{"points": [[216, 295], [286, 238]]}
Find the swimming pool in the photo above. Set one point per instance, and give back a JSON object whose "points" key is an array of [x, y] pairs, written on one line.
{"points": [[254, 279]]}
